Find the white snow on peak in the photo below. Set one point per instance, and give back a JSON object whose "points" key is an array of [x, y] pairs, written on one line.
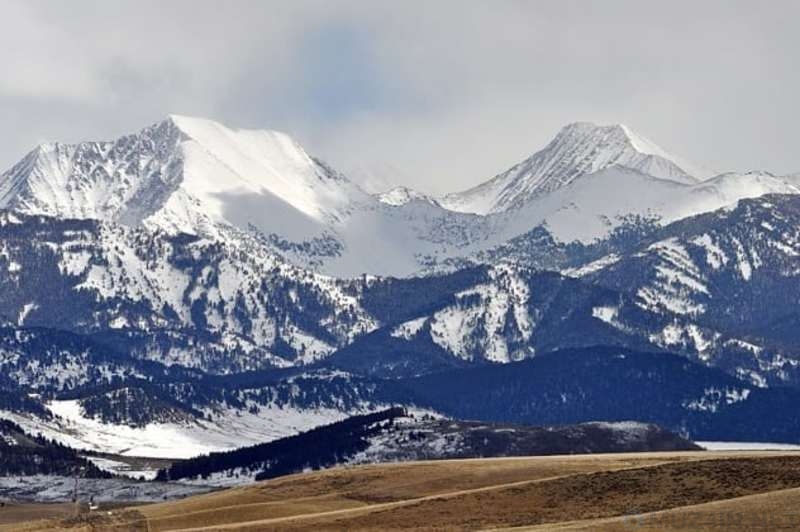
{"points": [[196, 176], [184, 174], [258, 162], [578, 149], [647, 146]]}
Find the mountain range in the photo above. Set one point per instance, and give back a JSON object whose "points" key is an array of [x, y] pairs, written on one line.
{"points": [[192, 288], [193, 176]]}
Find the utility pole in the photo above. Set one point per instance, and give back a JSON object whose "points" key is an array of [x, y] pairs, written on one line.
{"points": [[78, 471]]}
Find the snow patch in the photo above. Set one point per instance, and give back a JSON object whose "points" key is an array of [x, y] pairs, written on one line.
{"points": [[409, 329], [594, 266], [227, 430], [715, 256], [746, 446], [27, 308], [606, 313]]}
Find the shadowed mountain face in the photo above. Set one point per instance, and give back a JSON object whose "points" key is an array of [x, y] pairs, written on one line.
{"points": [[579, 385], [87, 320]]}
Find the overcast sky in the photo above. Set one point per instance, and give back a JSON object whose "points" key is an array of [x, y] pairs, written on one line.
{"points": [[435, 94]]}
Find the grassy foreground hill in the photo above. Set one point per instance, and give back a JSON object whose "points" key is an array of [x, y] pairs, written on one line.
{"points": [[654, 491]]}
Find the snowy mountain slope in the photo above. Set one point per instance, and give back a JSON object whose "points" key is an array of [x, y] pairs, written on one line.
{"points": [[601, 214], [479, 199], [195, 176], [505, 314], [228, 307], [719, 288], [418, 235], [402, 240], [231, 307], [173, 414], [218, 306], [593, 205], [143, 278], [733, 271], [96, 179], [50, 360], [578, 149], [225, 307], [182, 174], [23, 453], [231, 304]]}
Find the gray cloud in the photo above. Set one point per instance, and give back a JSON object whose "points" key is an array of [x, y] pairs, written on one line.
{"points": [[439, 95]]}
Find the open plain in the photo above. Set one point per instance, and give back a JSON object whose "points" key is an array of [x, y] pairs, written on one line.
{"points": [[655, 491]]}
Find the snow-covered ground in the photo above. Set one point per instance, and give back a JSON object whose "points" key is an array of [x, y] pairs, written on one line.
{"points": [[746, 446], [123, 469], [229, 430], [224, 479], [48, 488]]}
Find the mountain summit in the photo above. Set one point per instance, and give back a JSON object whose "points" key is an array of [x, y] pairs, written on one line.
{"points": [[199, 177], [580, 148], [184, 175]]}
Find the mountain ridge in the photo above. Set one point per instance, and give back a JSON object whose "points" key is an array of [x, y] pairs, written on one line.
{"points": [[196, 176], [579, 148]]}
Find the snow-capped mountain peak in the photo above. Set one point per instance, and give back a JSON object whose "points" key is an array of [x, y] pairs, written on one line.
{"points": [[102, 180], [184, 174], [247, 172], [196, 176], [578, 149]]}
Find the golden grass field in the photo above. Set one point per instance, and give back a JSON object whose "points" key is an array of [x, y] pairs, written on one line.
{"points": [[694, 491]]}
